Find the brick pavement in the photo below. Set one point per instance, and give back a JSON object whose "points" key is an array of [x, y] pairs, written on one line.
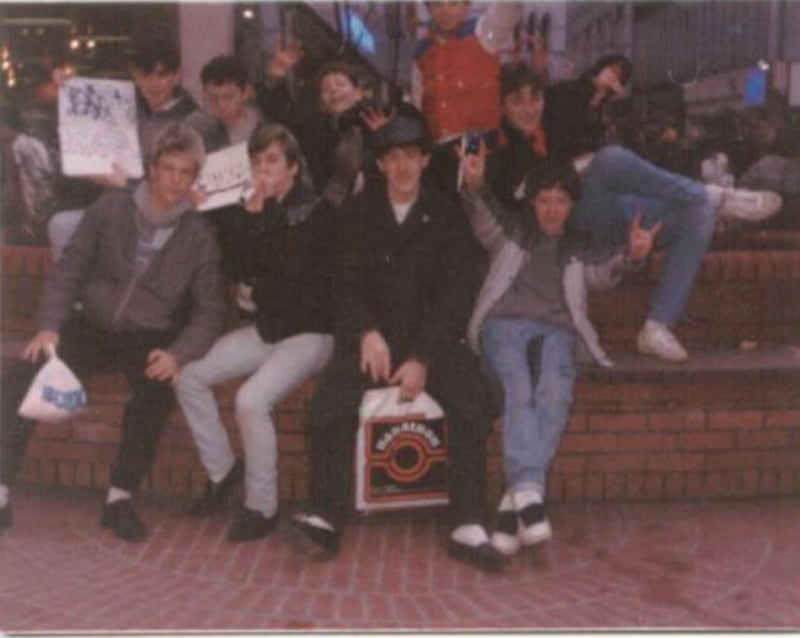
{"points": [[714, 564]]}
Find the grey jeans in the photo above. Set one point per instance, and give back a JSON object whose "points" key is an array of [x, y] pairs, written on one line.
{"points": [[275, 370]]}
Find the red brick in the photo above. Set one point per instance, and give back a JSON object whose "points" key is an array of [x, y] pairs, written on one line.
{"points": [[674, 486], [679, 420], [573, 487], [735, 419], [614, 486], [594, 486], [733, 460], [768, 482], [53, 431], [782, 418], [66, 473], [780, 459], [96, 433], [291, 443], [84, 475], [578, 422], [759, 439], [646, 442], [588, 442], [654, 486], [618, 422], [705, 441], [675, 462], [748, 483], [694, 484], [616, 462], [570, 462], [62, 450], [634, 486]]}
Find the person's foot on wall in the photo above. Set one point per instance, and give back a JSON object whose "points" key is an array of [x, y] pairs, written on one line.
{"points": [[656, 339]]}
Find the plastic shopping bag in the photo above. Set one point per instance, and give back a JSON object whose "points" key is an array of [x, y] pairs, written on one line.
{"points": [[55, 394], [401, 452]]}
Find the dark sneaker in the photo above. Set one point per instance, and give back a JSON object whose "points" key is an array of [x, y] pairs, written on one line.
{"points": [[484, 556], [123, 521], [250, 525], [216, 494], [6, 517], [534, 526], [504, 537], [312, 538]]}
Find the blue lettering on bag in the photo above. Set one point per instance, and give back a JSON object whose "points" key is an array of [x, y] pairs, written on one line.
{"points": [[70, 401]]}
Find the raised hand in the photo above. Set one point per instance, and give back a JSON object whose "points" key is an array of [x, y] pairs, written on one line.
{"points": [[641, 240], [375, 117], [376, 360], [472, 166]]}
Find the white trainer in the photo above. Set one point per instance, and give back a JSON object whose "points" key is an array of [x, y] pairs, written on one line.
{"points": [[656, 339], [743, 204]]}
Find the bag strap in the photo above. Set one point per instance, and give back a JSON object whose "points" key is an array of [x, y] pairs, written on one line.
{"points": [[50, 351]]}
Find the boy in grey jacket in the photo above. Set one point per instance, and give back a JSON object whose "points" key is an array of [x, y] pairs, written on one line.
{"points": [[524, 324], [147, 273]]}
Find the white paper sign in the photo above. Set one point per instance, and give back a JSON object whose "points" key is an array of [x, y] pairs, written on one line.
{"points": [[97, 127], [225, 176]]}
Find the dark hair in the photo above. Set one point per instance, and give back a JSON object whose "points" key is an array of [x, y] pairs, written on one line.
{"points": [[406, 128], [515, 76], [224, 69], [268, 134], [553, 174], [344, 68], [146, 56], [614, 59]]}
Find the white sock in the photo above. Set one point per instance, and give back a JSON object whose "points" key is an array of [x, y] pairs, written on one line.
{"points": [[472, 535], [3, 495], [117, 494], [316, 521], [526, 497], [506, 503]]}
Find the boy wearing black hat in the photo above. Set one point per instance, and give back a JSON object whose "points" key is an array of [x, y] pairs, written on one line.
{"points": [[404, 288]]}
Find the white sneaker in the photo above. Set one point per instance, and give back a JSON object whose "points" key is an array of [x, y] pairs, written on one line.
{"points": [[747, 205], [534, 527], [504, 537], [656, 339]]}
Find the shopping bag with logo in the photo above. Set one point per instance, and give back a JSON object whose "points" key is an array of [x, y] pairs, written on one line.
{"points": [[401, 452], [55, 393]]}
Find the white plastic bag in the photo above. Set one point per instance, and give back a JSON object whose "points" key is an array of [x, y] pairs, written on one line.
{"points": [[401, 452], [55, 394]]}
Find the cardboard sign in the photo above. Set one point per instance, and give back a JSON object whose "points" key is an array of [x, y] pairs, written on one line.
{"points": [[225, 176], [97, 128]]}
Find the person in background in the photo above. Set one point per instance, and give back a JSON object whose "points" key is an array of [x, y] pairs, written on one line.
{"points": [[619, 186], [454, 77], [155, 68], [146, 270], [281, 241]]}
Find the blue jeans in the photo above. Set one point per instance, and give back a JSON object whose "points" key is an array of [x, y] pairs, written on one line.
{"points": [[616, 185], [537, 380]]}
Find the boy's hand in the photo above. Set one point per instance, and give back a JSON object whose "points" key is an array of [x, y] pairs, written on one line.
{"points": [[284, 59], [115, 179], [38, 345], [641, 240], [376, 360], [411, 377], [375, 118], [263, 189], [161, 365], [473, 166]]}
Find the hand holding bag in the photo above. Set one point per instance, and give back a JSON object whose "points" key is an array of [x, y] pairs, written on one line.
{"points": [[55, 394]]}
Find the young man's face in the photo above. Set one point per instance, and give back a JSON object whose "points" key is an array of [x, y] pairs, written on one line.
{"points": [[226, 101], [272, 166], [524, 109], [158, 86], [552, 207], [609, 80], [403, 166], [448, 16], [338, 93], [171, 177]]}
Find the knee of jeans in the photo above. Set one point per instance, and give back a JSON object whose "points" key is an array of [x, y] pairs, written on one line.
{"points": [[612, 153], [252, 403], [189, 380], [555, 391]]}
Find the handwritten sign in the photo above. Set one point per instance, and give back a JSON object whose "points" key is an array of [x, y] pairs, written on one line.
{"points": [[225, 176], [97, 127]]}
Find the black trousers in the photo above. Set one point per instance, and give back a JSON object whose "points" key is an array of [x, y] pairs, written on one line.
{"points": [[454, 381], [87, 349]]}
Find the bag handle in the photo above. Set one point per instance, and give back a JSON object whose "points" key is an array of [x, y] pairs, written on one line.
{"points": [[50, 350], [392, 396]]}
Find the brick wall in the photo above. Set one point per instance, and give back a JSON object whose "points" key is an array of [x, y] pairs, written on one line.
{"points": [[632, 436]]}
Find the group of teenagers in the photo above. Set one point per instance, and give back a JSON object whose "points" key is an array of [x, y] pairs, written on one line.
{"points": [[375, 247]]}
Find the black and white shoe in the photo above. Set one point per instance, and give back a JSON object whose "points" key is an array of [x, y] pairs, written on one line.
{"points": [[314, 537], [505, 535], [534, 525], [484, 556]]}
